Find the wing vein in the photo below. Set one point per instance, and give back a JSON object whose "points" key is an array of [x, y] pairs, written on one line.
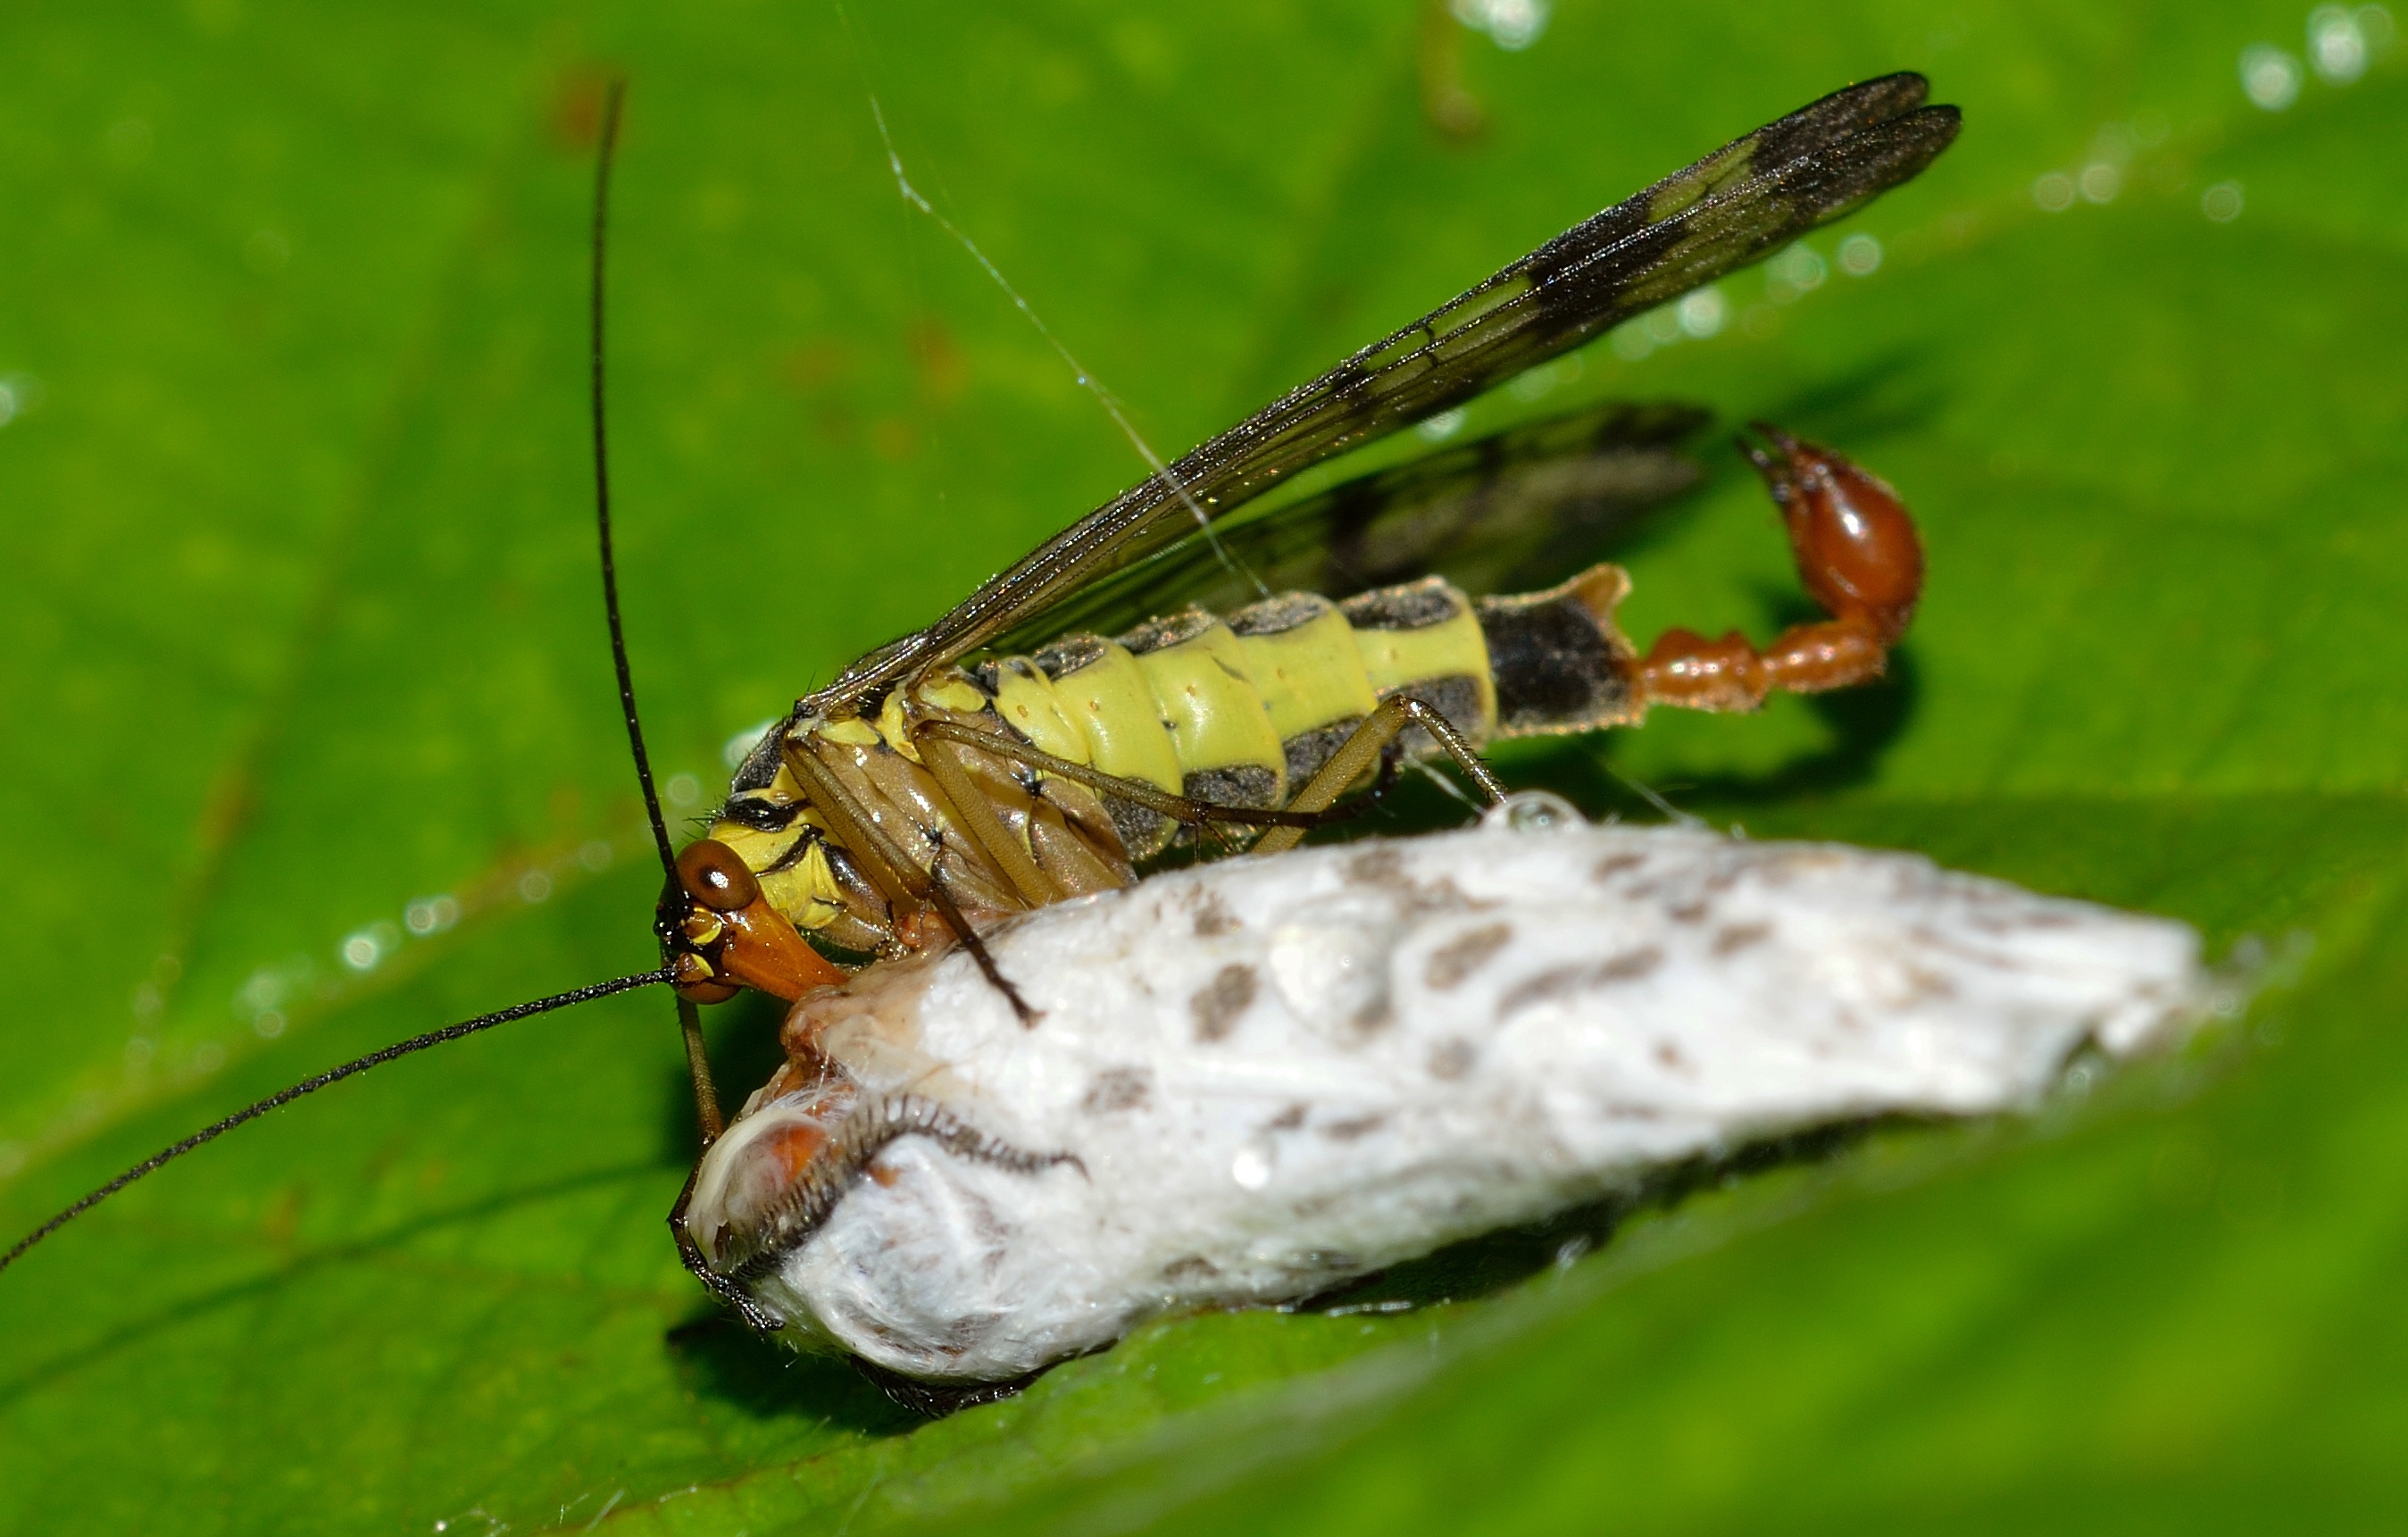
{"points": [[1729, 209]]}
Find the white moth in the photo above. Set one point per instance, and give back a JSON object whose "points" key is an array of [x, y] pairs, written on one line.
{"points": [[1258, 1078]]}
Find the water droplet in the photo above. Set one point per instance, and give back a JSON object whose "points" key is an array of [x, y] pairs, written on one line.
{"points": [[1512, 25], [265, 989], [361, 951], [1251, 1167], [2221, 202], [1533, 385], [739, 747], [2270, 76], [431, 915], [1438, 428], [1796, 271], [1534, 812], [2336, 45], [1702, 313], [19, 394]]}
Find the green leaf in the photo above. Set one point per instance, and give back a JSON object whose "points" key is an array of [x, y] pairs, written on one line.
{"points": [[301, 625]]}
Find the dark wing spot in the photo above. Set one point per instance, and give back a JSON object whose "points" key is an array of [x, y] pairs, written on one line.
{"points": [[1195, 1267], [1631, 964], [1671, 1057], [1467, 953], [1217, 1007], [1451, 1060], [1926, 983], [1349, 1130], [1213, 917], [1376, 868], [1376, 1016], [1288, 1119], [1558, 982], [1691, 913], [1118, 1088], [1614, 863], [1443, 895], [1562, 982], [1738, 937]]}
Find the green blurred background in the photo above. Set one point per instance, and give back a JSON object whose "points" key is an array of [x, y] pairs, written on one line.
{"points": [[309, 742]]}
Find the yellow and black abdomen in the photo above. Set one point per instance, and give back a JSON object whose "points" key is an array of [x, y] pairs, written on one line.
{"points": [[1242, 710]]}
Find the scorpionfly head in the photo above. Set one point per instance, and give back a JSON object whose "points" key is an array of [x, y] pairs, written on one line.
{"points": [[720, 936]]}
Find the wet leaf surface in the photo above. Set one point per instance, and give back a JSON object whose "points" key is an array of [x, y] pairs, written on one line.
{"points": [[304, 660]]}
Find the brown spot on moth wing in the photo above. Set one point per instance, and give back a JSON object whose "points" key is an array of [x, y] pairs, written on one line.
{"points": [[1118, 1089], [1467, 953], [1217, 1005]]}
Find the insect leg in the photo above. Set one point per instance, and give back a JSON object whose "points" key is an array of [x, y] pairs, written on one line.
{"points": [[880, 858], [893, 870], [1364, 747], [707, 1114], [760, 1320], [1858, 557], [942, 759], [944, 903], [865, 1132]]}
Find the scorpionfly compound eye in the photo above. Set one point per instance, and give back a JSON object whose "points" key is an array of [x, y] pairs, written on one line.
{"points": [[713, 875]]}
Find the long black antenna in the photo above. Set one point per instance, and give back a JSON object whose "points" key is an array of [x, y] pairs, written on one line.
{"points": [[611, 98], [706, 1092], [333, 1076]]}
